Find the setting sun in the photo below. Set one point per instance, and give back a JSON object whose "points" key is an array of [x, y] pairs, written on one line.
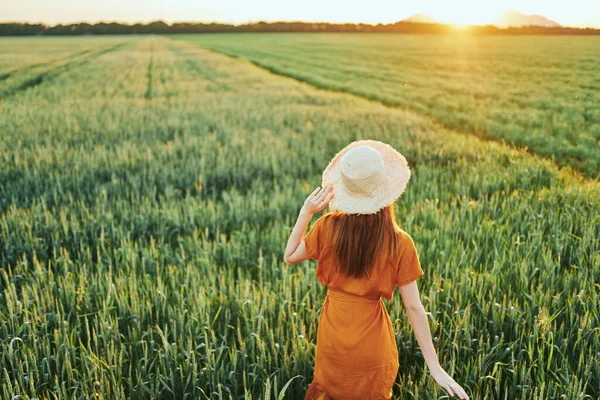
{"points": [[461, 27]]}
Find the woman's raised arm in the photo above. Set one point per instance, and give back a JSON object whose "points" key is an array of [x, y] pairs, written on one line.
{"points": [[295, 251]]}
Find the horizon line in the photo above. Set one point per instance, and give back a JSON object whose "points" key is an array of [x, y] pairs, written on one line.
{"points": [[249, 22]]}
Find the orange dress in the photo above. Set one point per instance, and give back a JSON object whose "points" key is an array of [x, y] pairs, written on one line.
{"points": [[356, 354]]}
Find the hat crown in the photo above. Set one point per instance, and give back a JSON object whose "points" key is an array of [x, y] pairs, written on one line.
{"points": [[361, 162], [366, 176]]}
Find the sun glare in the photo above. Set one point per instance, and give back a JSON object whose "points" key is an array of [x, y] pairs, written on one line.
{"points": [[464, 18], [461, 27]]}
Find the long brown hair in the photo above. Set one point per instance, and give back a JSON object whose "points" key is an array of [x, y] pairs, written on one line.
{"points": [[362, 240]]}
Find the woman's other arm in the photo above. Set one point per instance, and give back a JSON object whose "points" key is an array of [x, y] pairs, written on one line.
{"points": [[295, 251], [418, 319]]}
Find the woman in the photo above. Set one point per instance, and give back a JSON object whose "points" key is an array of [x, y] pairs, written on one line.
{"points": [[362, 256]]}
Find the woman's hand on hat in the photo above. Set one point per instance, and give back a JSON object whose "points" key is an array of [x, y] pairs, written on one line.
{"points": [[318, 199]]}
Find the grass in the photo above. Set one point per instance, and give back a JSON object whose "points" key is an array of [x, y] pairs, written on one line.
{"points": [[537, 92], [146, 199]]}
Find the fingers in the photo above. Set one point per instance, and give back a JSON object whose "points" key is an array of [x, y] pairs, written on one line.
{"points": [[319, 198], [327, 190], [328, 196], [323, 203], [448, 389], [450, 385], [463, 394], [459, 391], [322, 193], [455, 389]]}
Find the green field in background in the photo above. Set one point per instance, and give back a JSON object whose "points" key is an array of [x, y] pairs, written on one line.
{"points": [[147, 191], [539, 92]]}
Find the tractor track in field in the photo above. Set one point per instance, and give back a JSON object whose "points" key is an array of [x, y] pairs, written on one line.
{"points": [[148, 94], [53, 72], [24, 68], [179, 51]]}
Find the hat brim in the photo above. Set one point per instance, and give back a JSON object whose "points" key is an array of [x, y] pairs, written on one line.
{"points": [[397, 175]]}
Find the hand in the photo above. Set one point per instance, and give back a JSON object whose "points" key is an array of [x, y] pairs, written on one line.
{"points": [[446, 381], [318, 199]]}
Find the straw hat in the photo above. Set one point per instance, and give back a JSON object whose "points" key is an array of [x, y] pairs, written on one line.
{"points": [[366, 176]]}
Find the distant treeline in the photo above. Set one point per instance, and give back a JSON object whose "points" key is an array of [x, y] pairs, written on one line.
{"points": [[160, 27]]}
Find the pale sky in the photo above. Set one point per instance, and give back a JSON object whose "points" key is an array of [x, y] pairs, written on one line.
{"points": [[580, 13]]}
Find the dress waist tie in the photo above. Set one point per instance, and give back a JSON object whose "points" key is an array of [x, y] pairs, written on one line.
{"points": [[338, 295]]}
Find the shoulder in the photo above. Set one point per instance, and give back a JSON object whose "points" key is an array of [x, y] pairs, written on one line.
{"points": [[325, 219], [326, 216], [405, 240], [324, 224], [321, 224], [322, 219], [409, 265], [403, 236], [318, 236]]}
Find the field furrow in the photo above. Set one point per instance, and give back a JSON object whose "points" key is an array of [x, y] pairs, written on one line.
{"points": [[20, 53], [29, 77], [28, 67]]}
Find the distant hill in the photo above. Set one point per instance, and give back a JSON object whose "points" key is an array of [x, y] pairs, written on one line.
{"points": [[515, 19], [421, 18]]}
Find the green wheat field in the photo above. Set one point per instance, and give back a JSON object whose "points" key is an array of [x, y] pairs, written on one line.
{"points": [[148, 186]]}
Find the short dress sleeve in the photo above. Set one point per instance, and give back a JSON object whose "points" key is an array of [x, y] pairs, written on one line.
{"points": [[315, 238], [409, 266]]}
